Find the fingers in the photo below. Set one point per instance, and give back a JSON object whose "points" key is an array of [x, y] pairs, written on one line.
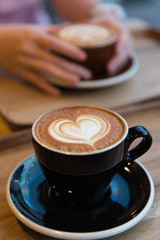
{"points": [[107, 20], [54, 28], [123, 50], [48, 68], [82, 72], [118, 61], [124, 41], [38, 81], [61, 47], [57, 62]]}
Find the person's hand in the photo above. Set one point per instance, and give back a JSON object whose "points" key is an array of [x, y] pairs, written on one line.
{"points": [[124, 45], [122, 52], [30, 52]]}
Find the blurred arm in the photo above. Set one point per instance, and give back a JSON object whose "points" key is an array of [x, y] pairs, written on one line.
{"points": [[75, 10]]}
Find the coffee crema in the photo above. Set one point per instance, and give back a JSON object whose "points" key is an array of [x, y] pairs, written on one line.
{"points": [[86, 35], [79, 129]]}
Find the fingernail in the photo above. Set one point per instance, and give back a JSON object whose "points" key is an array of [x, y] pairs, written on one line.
{"points": [[87, 74], [74, 83], [82, 55], [118, 47], [111, 68]]}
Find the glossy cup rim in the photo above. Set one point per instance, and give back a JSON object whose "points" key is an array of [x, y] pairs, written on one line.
{"points": [[82, 153]]}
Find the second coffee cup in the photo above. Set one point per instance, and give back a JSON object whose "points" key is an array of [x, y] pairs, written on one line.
{"points": [[97, 41]]}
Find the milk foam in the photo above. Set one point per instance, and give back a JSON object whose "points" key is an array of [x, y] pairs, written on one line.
{"points": [[84, 34], [87, 129]]}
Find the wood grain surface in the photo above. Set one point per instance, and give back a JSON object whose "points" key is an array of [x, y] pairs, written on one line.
{"points": [[4, 128], [15, 148]]}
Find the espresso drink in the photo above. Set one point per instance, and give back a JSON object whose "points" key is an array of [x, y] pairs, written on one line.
{"points": [[87, 35], [79, 129]]}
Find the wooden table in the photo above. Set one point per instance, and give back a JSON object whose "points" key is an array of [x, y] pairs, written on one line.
{"points": [[4, 128], [16, 147]]}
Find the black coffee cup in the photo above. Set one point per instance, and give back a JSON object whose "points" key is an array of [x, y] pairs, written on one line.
{"points": [[81, 180]]}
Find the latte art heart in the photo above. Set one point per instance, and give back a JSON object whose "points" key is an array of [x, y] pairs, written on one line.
{"points": [[87, 129]]}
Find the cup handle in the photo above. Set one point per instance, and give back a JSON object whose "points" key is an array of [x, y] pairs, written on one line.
{"points": [[142, 147]]}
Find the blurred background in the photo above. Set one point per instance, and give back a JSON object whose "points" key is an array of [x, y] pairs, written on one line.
{"points": [[147, 10]]}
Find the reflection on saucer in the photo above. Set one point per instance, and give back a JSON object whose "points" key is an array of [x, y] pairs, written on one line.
{"points": [[129, 199], [124, 74]]}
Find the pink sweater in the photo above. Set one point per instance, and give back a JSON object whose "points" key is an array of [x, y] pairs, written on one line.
{"points": [[23, 11]]}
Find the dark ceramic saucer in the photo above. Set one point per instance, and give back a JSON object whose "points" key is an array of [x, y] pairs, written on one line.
{"points": [[129, 199]]}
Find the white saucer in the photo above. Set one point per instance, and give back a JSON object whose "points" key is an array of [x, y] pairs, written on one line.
{"points": [[132, 187], [104, 82]]}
